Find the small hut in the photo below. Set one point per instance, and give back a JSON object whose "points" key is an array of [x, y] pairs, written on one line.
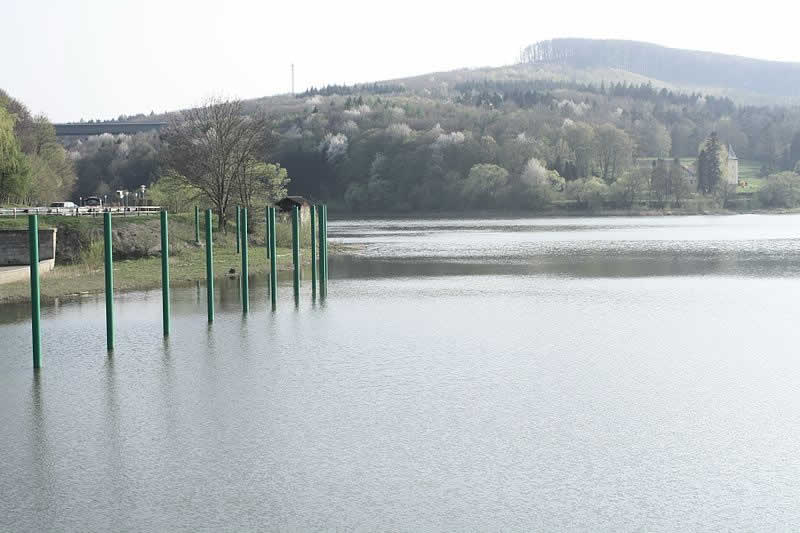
{"points": [[285, 207]]}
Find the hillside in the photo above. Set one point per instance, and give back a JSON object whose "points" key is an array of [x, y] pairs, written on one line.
{"points": [[742, 78]]}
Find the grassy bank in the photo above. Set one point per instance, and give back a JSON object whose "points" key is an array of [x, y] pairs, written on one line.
{"points": [[79, 268]]}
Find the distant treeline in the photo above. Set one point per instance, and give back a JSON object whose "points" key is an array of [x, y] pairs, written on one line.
{"points": [[670, 65], [526, 93], [365, 88]]}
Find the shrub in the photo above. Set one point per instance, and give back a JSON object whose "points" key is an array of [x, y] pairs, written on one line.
{"points": [[781, 190]]}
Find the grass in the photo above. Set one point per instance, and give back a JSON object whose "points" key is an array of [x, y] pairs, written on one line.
{"points": [[138, 274], [187, 259], [749, 173]]}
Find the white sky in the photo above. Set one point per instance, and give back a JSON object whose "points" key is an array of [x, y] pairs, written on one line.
{"points": [[73, 59]]}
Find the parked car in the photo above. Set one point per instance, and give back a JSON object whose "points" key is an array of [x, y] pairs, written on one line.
{"points": [[69, 205], [93, 201]]}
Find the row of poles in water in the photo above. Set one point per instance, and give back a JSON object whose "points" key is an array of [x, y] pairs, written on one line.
{"points": [[319, 265]]}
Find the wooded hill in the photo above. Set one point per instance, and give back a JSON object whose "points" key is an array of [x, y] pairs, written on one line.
{"points": [[714, 73], [563, 127]]}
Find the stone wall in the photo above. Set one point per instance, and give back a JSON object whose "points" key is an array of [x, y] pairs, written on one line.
{"points": [[14, 246]]}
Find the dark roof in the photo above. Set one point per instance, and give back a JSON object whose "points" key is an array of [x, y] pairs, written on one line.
{"points": [[291, 201]]}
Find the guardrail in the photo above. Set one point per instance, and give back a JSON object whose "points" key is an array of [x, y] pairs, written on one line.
{"points": [[79, 211]]}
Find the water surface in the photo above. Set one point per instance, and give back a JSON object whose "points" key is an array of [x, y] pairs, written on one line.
{"points": [[551, 374]]}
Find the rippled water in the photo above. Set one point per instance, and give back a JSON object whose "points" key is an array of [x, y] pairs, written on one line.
{"points": [[559, 374]]}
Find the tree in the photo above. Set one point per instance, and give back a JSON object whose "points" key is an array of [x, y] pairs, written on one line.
{"points": [[680, 143], [652, 138], [781, 190], [614, 149], [628, 188], [485, 184], [258, 180], [724, 193], [53, 172], [659, 181], [678, 182], [212, 147], [174, 194], [14, 167], [51, 176], [538, 184], [378, 189], [709, 165], [589, 193], [356, 196], [580, 138]]}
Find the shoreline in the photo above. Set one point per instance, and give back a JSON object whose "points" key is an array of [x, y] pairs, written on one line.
{"points": [[559, 213], [75, 281], [137, 258]]}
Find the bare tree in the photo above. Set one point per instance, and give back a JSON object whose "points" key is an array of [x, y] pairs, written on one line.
{"points": [[212, 146]]}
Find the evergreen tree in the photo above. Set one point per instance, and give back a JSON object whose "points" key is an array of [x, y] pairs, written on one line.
{"points": [[701, 171], [709, 165]]}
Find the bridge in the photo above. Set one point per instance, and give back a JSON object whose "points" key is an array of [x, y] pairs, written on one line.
{"points": [[84, 129]]}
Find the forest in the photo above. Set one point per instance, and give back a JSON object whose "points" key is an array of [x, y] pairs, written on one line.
{"points": [[490, 141]]}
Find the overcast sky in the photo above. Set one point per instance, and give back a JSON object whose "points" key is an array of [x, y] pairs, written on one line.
{"points": [[101, 58]]}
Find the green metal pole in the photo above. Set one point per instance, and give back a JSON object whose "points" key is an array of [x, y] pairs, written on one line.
{"points": [[321, 259], [245, 281], [197, 224], [325, 247], [238, 220], [296, 252], [209, 266], [313, 253], [165, 270], [33, 247], [266, 230], [273, 255], [109, 271]]}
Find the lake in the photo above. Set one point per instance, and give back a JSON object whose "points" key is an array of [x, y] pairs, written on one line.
{"points": [[499, 374]]}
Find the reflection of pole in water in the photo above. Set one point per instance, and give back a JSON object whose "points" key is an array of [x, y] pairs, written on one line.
{"points": [[115, 463], [40, 447]]}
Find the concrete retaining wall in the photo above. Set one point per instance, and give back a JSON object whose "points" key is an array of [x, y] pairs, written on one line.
{"points": [[14, 246]]}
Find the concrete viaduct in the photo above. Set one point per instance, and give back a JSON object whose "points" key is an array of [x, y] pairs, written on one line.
{"points": [[83, 129]]}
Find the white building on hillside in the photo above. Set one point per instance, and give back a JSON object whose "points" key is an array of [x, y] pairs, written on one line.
{"points": [[732, 175]]}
